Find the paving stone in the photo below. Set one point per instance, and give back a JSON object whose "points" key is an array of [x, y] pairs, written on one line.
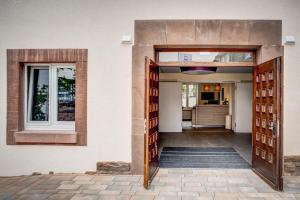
{"points": [[216, 179], [84, 182], [33, 196], [128, 192], [194, 189], [45, 186], [85, 197], [170, 179], [102, 178], [167, 197], [141, 188], [93, 187], [109, 192], [195, 198], [168, 193], [41, 191], [61, 196], [217, 189], [192, 184], [122, 183], [127, 178], [115, 197], [119, 187], [69, 191], [197, 179], [167, 188], [222, 195], [90, 191], [68, 187], [62, 177], [83, 178], [142, 197], [247, 189], [147, 192], [188, 193]]}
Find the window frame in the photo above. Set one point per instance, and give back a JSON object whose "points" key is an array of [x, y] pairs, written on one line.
{"points": [[15, 133], [52, 123], [187, 94]]}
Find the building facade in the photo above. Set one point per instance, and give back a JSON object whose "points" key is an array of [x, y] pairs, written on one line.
{"points": [[110, 104]]}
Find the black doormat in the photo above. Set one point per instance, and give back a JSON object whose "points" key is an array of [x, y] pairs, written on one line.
{"points": [[201, 157]]}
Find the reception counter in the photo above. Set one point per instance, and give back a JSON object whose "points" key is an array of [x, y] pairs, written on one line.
{"points": [[209, 115]]}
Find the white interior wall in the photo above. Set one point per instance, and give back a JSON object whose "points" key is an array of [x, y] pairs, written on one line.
{"points": [[243, 107], [170, 107], [99, 26]]}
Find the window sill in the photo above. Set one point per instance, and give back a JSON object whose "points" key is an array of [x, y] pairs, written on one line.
{"points": [[46, 137]]}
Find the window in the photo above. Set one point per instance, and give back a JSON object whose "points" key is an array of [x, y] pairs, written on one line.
{"points": [[47, 105], [50, 96], [189, 95], [206, 57]]}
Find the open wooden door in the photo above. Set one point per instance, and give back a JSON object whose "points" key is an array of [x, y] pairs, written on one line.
{"points": [[151, 164], [267, 122]]}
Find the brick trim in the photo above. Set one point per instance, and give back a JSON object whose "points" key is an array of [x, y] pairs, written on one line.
{"points": [[45, 137], [292, 165], [16, 58]]}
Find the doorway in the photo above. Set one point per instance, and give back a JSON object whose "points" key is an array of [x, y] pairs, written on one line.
{"points": [[265, 159], [263, 36]]}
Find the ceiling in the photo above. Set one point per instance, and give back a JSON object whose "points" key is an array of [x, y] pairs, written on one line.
{"points": [[219, 70]]}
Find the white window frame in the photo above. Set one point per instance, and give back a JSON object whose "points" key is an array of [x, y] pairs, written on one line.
{"points": [[187, 94], [52, 123]]}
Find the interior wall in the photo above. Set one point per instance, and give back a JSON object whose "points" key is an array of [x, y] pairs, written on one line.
{"points": [[232, 106], [243, 107], [170, 107]]}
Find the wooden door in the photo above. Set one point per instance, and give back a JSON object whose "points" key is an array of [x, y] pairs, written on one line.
{"points": [[267, 122], [151, 121]]}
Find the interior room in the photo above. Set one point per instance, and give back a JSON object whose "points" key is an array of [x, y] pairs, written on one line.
{"points": [[209, 108]]}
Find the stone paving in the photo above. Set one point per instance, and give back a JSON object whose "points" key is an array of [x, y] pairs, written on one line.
{"points": [[169, 184]]}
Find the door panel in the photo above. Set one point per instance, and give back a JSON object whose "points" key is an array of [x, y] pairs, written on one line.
{"points": [[151, 121], [267, 151]]}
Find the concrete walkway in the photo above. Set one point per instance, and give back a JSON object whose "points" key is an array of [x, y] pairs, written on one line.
{"points": [[171, 184]]}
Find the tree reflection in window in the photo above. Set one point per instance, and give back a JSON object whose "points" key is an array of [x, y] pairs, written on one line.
{"points": [[66, 94], [40, 94]]}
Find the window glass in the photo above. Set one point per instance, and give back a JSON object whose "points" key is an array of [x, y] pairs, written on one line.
{"points": [[205, 57], [65, 94], [184, 96], [50, 96], [189, 95], [38, 97], [192, 95]]}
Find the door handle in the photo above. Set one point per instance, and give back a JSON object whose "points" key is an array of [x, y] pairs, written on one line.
{"points": [[274, 129]]}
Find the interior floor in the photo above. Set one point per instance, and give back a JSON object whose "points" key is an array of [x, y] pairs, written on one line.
{"points": [[209, 137]]}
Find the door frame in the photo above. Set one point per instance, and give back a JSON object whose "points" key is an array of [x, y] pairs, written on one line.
{"points": [[279, 155]]}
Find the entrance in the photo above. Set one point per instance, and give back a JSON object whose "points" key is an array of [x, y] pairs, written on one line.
{"points": [[266, 131]]}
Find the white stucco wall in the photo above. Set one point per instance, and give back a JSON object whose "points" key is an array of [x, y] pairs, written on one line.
{"points": [[170, 107], [98, 26]]}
